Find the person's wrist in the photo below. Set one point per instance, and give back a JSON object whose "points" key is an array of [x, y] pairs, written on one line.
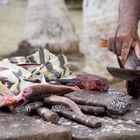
{"points": [[128, 27]]}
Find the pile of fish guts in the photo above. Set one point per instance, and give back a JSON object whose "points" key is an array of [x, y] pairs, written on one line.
{"points": [[43, 85]]}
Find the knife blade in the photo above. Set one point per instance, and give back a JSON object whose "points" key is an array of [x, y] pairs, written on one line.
{"points": [[124, 74]]}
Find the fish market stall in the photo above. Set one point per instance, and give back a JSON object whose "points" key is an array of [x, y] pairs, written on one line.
{"points": [[40, 98]]}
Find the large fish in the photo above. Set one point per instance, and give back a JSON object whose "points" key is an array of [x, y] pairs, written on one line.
{"points": [[36, 92]]}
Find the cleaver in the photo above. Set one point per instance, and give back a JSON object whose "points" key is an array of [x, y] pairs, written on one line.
{"points": [[132, 78], [124, 74]]}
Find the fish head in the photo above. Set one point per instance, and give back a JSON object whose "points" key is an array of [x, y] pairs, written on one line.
{"points": [[22, 98]]}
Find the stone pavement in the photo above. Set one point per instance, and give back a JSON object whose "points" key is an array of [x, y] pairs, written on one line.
{"points": [[23, 127], [19, 126], [111, 130]]}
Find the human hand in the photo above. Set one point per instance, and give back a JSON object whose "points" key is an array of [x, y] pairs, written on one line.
{"points": [[125, 47]]}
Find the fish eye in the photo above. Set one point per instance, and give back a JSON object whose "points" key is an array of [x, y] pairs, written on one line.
{"points": [[27, 91], [24, 91]]}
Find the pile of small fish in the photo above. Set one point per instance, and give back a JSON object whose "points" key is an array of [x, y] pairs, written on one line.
{"points": [[43, 83]]}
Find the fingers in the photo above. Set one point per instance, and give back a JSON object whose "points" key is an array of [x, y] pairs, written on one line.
{"points": [[113, 44], [137, 49], [121, 46], [126, 45]]}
